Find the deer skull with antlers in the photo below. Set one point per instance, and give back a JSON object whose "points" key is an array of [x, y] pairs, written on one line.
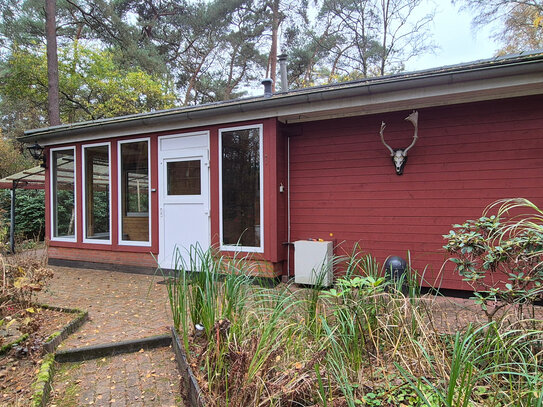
{"points": [[399, 156]]}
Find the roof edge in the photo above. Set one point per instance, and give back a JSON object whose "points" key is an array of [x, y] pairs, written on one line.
{"points": [[478, 70]]}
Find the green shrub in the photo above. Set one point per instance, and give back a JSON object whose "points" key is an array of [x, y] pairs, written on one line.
{"points": [[504, 243], [29, 213]]}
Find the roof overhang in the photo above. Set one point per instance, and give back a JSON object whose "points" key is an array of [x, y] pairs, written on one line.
{"points": [[485, 80]]}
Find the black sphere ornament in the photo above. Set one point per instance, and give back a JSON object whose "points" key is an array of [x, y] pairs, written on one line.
{"points": [[395, 267]]}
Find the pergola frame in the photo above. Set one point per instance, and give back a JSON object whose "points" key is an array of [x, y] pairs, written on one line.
{"points": [[33, 178]]}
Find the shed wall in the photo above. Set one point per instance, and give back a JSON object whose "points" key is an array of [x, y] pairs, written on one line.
{"points": [[344, 187], [268, 264]]}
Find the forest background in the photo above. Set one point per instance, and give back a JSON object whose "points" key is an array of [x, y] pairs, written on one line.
{"points": [[119, 57]]}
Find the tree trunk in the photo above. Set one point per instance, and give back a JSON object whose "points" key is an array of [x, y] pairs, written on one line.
{"points": [[52, 62]]}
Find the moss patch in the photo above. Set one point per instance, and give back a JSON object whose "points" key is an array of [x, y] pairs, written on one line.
{"points": [[52, 336], [66, 395], [8, 346], [42, 385]]}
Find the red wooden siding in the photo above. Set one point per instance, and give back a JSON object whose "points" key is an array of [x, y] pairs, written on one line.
{"points": [[282, 222], [343, 181]]}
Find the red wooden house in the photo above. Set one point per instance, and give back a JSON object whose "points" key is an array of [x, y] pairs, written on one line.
{"points": [[251, 174]]}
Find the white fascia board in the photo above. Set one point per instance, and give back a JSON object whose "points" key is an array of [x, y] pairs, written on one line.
{"points": [[423, 97], [342, 102]]}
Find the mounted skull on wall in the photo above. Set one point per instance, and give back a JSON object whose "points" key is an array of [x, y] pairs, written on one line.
{"points": [[399, 156]]}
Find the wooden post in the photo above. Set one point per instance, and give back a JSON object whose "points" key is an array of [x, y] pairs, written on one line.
{"points": [[12, 218]]}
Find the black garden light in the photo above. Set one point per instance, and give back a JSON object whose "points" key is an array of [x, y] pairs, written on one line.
{"points": [[395, 268], [36, 151]]}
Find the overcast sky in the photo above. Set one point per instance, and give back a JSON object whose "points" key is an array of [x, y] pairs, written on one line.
{"points": [[456, 39]]}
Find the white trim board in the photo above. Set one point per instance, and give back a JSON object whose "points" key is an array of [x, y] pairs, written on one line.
{"points": [[448, 89]]}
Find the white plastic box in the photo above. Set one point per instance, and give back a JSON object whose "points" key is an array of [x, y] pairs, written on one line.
{"points": [[311, 259]]}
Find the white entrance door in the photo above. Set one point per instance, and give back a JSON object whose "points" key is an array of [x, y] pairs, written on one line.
{"points": [[184, 196]]}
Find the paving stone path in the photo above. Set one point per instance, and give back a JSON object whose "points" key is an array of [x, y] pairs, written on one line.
{"points": [[146, 378], [121, 306]]}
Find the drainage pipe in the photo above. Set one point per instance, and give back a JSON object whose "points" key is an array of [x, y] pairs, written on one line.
{"points": [[288, 208]]}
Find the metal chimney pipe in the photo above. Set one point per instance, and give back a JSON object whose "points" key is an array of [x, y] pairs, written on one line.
{"points": [[283, 71], [267, 87]]}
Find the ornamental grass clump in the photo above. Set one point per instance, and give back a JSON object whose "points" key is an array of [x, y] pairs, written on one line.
{"points": [[361, 342], [492, 365], [205, 288], [278, 346]]}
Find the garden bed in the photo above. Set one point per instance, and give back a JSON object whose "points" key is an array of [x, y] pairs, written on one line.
{"points": [[23, 347], [28, 331], [362, 342]]}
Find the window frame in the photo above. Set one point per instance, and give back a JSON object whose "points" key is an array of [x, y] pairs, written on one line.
{"points": [[120, 197], [53, 196], [84, 194], [236, 248]]}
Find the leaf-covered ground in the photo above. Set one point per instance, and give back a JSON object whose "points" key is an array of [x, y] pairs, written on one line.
{"points": [[19, 366]]}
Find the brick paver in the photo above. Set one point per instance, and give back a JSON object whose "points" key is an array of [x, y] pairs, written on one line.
{"points": [[146, 378], [121, 306], [451, 314]]}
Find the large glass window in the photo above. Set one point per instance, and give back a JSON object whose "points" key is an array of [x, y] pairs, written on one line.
{"points": [[63, 194], [241, 182], [134, 173], [97, 192]]}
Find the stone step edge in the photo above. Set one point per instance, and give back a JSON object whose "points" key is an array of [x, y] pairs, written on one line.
{"points": [[112, 349]]}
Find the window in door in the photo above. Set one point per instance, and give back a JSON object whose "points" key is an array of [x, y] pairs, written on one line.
{"points": [[184, 177]]}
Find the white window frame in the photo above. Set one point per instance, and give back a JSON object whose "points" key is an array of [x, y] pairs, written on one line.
{"points": [[84, 193], [236, 248], [53, 199], [122, 242]]}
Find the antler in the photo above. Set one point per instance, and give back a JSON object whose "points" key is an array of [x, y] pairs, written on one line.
{"points": [[383, 125], [414, 119]]}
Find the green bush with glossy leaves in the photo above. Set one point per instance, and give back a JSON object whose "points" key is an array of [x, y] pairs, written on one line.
{"points": [[501, 255]]}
